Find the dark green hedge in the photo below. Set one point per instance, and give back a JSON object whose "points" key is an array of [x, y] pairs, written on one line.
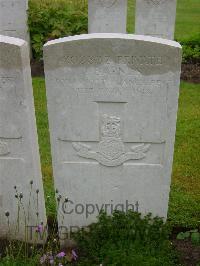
{"points": [[52, 19], [126, 239], [191, 48]]}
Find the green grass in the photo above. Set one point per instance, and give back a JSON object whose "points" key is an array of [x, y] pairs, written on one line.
{"points": [[185, 198], [187, 19], [185, 194], [44, 143], [131, 16]]}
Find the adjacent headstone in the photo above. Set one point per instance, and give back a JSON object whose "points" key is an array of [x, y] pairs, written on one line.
{"points": [[22, 207], [156, 18], [13, 18], [107, 16], [112, 102]]}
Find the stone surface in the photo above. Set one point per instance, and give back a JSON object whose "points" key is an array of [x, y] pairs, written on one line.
{"points": [[13, 18], [19, 155], [112, 102], [156, 18], [107, 16]]}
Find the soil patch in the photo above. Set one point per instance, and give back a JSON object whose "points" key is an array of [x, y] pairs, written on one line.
{"points": [[191, 72], [188, 253], [37, 68]]}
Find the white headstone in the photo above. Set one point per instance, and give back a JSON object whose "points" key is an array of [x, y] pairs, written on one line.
{"points": [[21, 188], [107, 16], [112, 102], [156, 18], [13, 18]]}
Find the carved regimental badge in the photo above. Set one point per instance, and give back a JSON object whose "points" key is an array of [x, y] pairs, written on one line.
{"points": [[4, 150], [111, 149]]}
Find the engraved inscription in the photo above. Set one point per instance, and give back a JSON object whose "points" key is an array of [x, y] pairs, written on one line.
{"points": [[11, 4], [150, 60], [107, 3], [155, 2], [111, 149], [125, 88]]}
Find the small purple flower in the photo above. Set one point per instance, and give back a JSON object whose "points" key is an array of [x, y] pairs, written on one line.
{"points": [[51, 261], [43, 259], [61, 255], [74, 255], [60, 264], [39, 228]]}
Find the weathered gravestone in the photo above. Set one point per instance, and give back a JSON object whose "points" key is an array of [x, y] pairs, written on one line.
{"points": [[13, 18], [21, 189], [107, 16], [112, 102], [156, 18]]}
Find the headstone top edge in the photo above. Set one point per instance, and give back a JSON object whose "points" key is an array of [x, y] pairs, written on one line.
{"points": [[12, 40], [113, 36]]}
